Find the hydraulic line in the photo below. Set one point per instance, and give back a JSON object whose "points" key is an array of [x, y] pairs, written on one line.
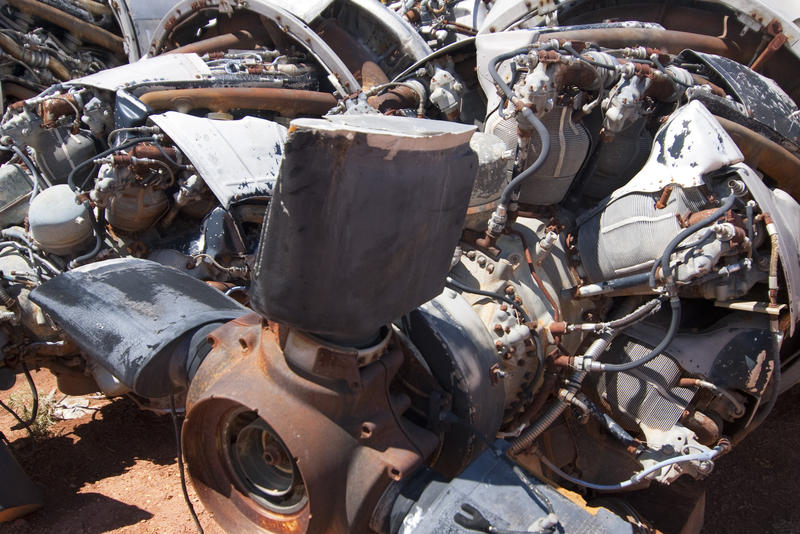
{"points": [[592, 365], [716, 390], [706, 456], [532, 432], [648, 308]]}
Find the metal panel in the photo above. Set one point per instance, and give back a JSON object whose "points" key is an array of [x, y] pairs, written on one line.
{"points": [[236, 159], [764, 100], [491, 486], [126, 314], [168, 68], [365, 217]]}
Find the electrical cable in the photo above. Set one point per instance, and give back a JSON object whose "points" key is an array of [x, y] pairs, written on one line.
{"points": [[99, 232], [179, 451], [22, 422], [455, 284], [667, 73], [569, 48], [34, 394], [430, 57], [475, 8]]}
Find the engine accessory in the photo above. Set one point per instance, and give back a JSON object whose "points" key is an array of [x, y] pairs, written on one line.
{"points": [[432, 172], [58, 223], [137, 208]]}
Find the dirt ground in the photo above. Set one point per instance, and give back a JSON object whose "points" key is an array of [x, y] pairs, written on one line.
{"points": [[115, 470]]}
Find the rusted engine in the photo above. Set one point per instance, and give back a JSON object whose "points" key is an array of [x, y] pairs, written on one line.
{"points": [[478, 251]]}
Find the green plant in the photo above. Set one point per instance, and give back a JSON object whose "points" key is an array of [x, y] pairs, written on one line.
{"points": [[22, 402]]}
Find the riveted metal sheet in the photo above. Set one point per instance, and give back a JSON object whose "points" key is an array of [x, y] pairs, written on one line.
{"points": [[236, 159]]}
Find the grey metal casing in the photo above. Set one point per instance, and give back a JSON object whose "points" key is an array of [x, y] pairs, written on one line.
{"points": [[363, 223]]}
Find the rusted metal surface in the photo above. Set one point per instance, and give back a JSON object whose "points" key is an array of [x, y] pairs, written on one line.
{"points": [[671, 41], [80, 29], [148, 150], [240, 39], [55, 107], [282, 25], [778, 40], [766, 155], [354, 55], [328, 427], [26, 56], [288, 102]]}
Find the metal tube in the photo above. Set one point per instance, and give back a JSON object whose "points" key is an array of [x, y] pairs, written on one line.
{"points": [[530, 434], [27, 56], [673, 42], [238, 39], [80, 29], [285, 101]]}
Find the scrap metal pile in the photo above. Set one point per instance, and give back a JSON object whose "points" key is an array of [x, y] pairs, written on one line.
{"points": [[411, 266]]}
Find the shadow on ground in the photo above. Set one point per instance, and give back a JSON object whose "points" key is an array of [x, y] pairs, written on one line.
{"points": [[106, 446]]}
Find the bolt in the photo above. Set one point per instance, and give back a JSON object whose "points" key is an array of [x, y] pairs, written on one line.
{"points": [[471, 254], [490, 268], [508, 330], [504, 307], [499, 373], [509, 290], [498, 344], [498, 328], [481, 261]]}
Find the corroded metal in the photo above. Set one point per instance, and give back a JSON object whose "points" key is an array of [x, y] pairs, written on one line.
{"points": [[344, 434]]}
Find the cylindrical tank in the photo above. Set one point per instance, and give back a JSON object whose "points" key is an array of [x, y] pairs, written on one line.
{"points": [[365, 216], [59, 224]]}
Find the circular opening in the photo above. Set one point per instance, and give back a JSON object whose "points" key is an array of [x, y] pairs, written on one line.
{"points": [[262, 465]]}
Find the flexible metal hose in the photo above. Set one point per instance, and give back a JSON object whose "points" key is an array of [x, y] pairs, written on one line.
{"points": [[530, 434]]}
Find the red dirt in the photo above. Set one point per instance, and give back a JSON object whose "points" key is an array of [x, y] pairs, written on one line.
{"points": [[115, 471]]}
